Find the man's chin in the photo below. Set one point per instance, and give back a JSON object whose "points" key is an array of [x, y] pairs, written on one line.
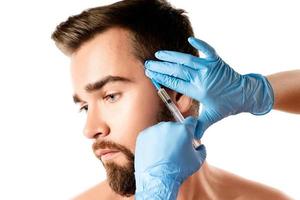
{"points": [[121, 178]]}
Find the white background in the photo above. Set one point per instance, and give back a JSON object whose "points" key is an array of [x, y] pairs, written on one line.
{"points": [[43, 153]]}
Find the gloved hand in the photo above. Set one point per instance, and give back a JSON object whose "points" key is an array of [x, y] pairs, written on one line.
{"points": [[164, 158], [209, 80]]}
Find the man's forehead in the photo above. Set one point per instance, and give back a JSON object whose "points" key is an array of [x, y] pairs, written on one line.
{"points": [[107, 55], [111, 40]]}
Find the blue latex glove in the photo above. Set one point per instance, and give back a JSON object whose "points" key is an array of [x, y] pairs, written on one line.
{"points": [[209, 80], [164, 158]]}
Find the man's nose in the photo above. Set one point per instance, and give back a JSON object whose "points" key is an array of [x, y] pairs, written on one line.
{"points": [[95, 126]]}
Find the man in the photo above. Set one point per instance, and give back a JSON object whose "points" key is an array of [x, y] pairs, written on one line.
{"points": [[108, 47]]}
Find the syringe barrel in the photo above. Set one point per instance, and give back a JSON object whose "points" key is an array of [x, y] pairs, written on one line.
{"points": [[174, 110]]}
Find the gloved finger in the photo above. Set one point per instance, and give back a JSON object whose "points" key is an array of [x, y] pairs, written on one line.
{"points": [[173, 83], [190, 120], [171, 69], [191, 124], [204, 121], [205, 48], [181, 58]]}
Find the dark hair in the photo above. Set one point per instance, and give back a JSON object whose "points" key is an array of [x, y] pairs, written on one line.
{"points": [[154, 25]]}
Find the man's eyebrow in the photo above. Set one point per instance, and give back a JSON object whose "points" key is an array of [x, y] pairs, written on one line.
{"points": [[98, 85]]}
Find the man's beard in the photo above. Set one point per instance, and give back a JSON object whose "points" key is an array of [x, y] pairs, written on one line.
{"points": [[121, 178]]}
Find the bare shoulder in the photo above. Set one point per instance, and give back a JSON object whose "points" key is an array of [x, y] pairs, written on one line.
{"points": [[239, 188], [99, 191], [253, 190]]}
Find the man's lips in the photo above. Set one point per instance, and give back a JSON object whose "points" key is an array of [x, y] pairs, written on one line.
{"points": [[105, 153]]}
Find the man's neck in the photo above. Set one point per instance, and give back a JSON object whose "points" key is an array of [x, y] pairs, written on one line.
{"points": [[198, 186]]}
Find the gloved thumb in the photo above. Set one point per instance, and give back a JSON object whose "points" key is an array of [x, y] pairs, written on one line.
{"points": [[205, 48], [204, 121], [191, 123]]}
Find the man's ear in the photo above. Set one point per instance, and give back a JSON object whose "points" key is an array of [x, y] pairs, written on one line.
{"points": [[184, 103]]}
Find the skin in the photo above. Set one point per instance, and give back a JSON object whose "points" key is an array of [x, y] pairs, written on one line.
{"points": [[120, 120], [286, 86]]}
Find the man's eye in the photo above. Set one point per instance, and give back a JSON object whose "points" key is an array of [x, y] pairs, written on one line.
{"points": [[85, 108], [112, 97]]}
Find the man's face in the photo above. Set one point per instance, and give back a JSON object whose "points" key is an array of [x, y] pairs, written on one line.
{"points": [[124, 105]]}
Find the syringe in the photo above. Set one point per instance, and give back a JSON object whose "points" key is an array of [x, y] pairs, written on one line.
{"points": [[172, 107]]}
